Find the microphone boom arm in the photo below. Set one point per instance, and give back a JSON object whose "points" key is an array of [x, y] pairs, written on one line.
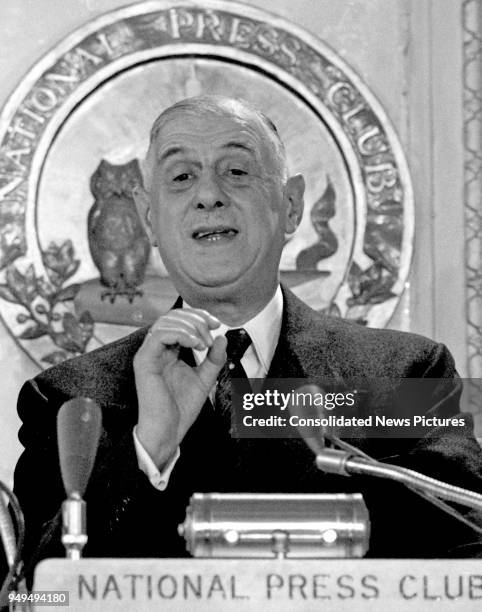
{"points": [[334, 461]]}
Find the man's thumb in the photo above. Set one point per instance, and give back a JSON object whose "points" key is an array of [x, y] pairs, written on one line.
{"points": [[215, 359]]}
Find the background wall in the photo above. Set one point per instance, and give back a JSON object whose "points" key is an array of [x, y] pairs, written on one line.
{"points": [[410, 54]]}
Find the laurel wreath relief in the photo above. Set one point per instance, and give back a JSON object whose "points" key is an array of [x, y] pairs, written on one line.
{"points": [[44, 303]]}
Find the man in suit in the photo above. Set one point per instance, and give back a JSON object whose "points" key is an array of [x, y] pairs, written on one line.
{"points": [[218, 202]]}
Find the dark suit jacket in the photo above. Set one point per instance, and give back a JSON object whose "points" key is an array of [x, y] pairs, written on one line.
{"points": [[129, 517]]}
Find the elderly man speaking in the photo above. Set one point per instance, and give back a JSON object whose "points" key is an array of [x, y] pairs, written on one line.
{"points": [[218, 202]]}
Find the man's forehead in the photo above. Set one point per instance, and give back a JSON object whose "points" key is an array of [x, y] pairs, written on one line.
{"points": [[204, 126], [170, 150], [236, 128]]}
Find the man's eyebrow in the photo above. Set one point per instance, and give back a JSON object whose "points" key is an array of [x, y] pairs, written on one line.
{"points": [[171, 151]]}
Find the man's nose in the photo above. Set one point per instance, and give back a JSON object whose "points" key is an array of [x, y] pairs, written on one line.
{"points": [[209, 194]]}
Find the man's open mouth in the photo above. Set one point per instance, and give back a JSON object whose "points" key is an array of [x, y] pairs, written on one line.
{"points": [[213, 234]]}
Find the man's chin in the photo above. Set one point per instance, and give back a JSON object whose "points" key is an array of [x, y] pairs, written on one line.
{"points": [[218, 284], [217, 274]]}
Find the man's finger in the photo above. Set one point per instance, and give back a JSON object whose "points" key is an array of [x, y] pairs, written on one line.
{"points": [[192, 322], [209, 369], [160, 337], [202, 315], [217, 352]]}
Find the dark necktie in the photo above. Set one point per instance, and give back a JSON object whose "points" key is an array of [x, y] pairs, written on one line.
{"points": [[238, 343]]}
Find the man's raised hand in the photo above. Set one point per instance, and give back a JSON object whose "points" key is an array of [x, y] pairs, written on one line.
{"points": [[171, 393]]}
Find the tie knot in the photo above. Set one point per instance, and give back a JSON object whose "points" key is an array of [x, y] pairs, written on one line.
{"points": [[238, 342]]}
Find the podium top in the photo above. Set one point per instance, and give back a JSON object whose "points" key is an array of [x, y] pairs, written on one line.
{"points": [[269, 585]]}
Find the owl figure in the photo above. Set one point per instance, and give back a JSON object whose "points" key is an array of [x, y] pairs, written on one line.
{"points": [[118, 243]]}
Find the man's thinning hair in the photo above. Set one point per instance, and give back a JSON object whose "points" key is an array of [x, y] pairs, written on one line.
{"points": [[217, 105]]}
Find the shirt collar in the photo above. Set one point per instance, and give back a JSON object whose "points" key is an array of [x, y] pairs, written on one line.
{"points": [[264, 330]]}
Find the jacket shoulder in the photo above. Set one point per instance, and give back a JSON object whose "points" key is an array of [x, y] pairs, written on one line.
{"points": [[387, 351], [105, 374]]}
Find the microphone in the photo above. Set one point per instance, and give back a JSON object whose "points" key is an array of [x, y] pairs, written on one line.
{"points": [[346, 464], [78, 434], [352, 461]]}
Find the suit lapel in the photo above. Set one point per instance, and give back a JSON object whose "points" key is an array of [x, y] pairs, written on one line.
{"points": [[303, 343]]}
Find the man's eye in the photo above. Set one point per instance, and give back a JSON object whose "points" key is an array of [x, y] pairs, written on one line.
{"points": [[184, 176]]}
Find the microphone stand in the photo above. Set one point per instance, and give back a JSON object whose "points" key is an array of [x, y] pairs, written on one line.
{"points": [[340, 462], [74, 526]]}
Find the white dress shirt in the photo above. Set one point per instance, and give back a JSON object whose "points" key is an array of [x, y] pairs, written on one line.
{"points": [[264, 330]]}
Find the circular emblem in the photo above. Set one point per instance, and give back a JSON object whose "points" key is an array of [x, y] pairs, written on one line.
{"points": [[74, 132]]}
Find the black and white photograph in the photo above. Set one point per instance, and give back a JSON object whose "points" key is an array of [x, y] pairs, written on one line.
{"points": [[241, 305]]}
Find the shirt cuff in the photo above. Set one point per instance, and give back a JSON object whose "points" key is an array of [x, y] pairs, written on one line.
{"points": [[158, 479]]}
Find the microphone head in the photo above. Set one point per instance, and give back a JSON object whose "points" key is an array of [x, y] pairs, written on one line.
{"points": [[78, 432]]}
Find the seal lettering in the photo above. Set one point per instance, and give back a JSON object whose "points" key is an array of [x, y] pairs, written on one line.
{"points": [[57, 80], [18, 128], [341, 96], [15, 155], [44, 99], [353, 112], [11, 186], [180, 19], [105, 44], [27, 111], [86, 56], [211, 22], [266, 40], [241, 33], [371, 141], [380, 177], [289, 48]]}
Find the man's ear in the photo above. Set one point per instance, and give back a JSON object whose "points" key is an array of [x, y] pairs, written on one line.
{"points": [[142, 200], [294, 192]]}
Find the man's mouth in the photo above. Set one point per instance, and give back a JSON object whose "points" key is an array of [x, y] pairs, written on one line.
{"points": [[214, 234]]}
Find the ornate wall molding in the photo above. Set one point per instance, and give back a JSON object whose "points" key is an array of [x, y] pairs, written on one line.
{"points": [[472, 104]]}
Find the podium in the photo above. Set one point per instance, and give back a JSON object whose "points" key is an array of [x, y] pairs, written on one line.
{"points": [[267, 585]]}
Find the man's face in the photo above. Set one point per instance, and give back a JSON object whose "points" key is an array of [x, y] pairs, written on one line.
{"points": [[219, 211]]}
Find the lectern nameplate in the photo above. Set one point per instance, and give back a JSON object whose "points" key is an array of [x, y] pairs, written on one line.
{"points": [[245, 585]]}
